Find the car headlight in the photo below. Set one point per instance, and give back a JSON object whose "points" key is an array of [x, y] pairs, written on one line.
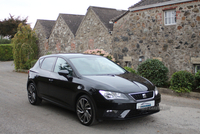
{"points": [[156, 91], [113, 95]]}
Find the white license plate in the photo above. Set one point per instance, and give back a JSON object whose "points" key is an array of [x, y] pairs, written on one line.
{"points": [[146, 104]]}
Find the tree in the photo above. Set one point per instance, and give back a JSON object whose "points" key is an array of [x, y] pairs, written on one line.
{"points": [[25, 48], [8, 27]]}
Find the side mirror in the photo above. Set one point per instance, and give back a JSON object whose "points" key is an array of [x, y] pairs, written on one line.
{"points": [[65, 73]]}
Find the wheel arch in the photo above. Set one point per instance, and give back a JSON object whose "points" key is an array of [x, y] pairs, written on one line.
{"points": [[32, 81], [29, 82], [81, 94]]}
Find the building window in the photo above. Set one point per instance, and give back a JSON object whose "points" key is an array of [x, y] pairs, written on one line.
{"points": [[197, 68], [170, 17]]}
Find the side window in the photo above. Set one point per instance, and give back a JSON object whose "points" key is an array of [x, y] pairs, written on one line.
{"points": [[47, 63], [61, 64]]}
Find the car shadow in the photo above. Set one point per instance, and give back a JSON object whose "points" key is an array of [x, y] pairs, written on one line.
{"points": [[58, 110], [106, 124]]}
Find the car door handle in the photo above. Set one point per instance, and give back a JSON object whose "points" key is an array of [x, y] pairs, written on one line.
{"points": [[51, 80]]}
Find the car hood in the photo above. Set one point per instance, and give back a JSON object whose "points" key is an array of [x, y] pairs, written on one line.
{"points": [[126, 83]]}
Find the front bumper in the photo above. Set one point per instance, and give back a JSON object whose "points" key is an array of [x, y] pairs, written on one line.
{"points": [[124, 109]]}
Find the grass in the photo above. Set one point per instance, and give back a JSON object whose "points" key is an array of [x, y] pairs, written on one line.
{"points": [[6, 44]]}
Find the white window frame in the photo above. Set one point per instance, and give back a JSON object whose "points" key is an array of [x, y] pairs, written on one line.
{"points": [[170, 17], [196, 68]]}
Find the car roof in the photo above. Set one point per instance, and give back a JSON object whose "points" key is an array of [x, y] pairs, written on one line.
{"points": [[71, 55]]}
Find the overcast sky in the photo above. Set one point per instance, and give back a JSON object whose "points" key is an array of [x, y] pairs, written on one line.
{"points": [[49, 9]]}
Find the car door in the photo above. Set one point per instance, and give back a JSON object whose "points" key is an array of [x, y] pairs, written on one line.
{"points": [[61, 88], [44, 77]]}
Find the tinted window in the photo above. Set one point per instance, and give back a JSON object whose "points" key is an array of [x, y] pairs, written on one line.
{"points": [[61, 64], [47, 64]]}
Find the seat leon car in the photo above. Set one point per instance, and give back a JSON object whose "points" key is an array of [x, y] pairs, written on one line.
{"points": [[94, 87]]}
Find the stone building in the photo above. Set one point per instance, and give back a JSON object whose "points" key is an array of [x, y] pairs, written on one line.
{"points": [[95, 30], [43, 30], [62, 38], [77, 33], [168, 30]]}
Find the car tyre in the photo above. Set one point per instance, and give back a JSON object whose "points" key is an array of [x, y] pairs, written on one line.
{"points": [[32, 95], [85, 110]]}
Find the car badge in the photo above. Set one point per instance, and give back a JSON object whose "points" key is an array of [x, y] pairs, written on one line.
{"points": [[144, 96]]}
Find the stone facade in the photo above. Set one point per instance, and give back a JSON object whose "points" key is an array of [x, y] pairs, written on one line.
{"points": [[93, 34], [61, 37], [43, 29], [70, 36], [143, 35], [133, 37]]}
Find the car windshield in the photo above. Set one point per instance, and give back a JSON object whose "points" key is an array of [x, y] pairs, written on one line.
{"points": [[96, 66]]}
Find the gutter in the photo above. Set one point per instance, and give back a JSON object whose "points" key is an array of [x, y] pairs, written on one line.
{"points": [[159, 4]]}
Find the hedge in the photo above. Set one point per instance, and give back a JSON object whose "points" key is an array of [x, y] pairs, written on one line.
{"points": [[131, 70], [182, 81], [6, 52], [5, 41], [155, 71]]}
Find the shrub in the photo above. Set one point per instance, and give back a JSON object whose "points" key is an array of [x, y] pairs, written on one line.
{"points": [[197, 80], [182, 81], [130, 69], [25, 48], [154, 70], [29, 64], [6, 53], [100, 52], [5, 41]]}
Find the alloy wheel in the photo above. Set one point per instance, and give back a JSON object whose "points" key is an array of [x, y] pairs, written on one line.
{"points": [[31, 94], [84, 111]]}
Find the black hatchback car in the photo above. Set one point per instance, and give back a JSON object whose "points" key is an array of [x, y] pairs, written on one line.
{"points": [[92, 86]]}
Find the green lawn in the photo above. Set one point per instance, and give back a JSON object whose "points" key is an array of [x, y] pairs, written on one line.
{"points": [[6, 44]]}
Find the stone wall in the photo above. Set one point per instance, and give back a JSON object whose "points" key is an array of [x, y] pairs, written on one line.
{"points": [[61, 38], [141, 35], [42, 40], [92, 34]]}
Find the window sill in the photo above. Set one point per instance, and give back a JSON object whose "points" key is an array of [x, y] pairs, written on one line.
{"points": [[170, 24]]}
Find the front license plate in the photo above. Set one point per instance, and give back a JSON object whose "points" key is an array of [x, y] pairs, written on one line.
{"points": [[145, 104]]}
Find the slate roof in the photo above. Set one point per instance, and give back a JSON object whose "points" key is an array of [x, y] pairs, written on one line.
{"points": [[148, 2], [47, 25], [73, 21], [106, 14], [118, 17]]}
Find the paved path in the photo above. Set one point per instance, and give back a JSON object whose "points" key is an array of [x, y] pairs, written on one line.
{"points": [[178, 115]]}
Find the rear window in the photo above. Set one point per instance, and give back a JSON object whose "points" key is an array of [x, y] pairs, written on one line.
{"points": [[48, 63]]}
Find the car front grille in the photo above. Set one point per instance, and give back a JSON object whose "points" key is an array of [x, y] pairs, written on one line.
{"points": [[143, 95]]}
